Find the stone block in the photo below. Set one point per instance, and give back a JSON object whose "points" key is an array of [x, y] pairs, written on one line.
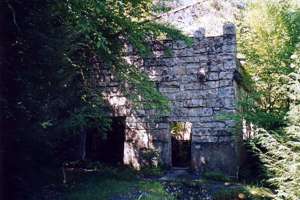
{"points": [[213, 76], [194, 103], [214, 102], [192, 68], [200, 112], [216, 67], [209, 125], [226, 92], [189, 78], [171, 96], [229, 64], [159, 125], [193, 86], [226, 75], [168, 89], [229, 48], [222, 132], [222, 139], [204, 138], [225, 83], [196, 131], [184, 52], [208, 94], [211, 84], [169, 84], [183, 95], [179, 44], [137, 125], [179, 70], [191, 59]]}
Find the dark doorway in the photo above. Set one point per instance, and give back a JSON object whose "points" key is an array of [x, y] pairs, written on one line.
{"points": [[108, 147], [181, 153], [181, 144]]}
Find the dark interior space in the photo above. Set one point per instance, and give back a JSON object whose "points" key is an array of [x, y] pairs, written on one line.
{"points": [[181, 152], [107, 148]]}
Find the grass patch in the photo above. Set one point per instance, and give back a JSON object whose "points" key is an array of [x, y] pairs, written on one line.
{"points": [[153, 190], [112, 182], [246, 192], [151, 171], [98, 188], [216, 176]]}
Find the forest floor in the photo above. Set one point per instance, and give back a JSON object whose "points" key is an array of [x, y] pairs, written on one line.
{"points": [[125, 184]]}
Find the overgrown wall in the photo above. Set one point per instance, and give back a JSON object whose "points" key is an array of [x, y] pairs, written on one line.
{"points": [[194, 98]]}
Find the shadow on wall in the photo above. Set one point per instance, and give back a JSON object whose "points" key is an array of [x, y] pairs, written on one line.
{"points": [[198, 81]]}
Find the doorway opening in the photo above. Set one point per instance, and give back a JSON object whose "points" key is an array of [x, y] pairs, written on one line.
{"points": [[181, 143], [107, 147]]}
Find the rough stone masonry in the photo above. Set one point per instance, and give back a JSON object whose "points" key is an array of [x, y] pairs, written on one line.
{"points": [[200, 83]]}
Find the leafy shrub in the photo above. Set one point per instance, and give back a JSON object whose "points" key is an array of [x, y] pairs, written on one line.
{"points": [[152, 171], [149, 157], [216, 176], [249, 193]]}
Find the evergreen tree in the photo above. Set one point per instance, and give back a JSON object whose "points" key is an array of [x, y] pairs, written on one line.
{"points": [[271, 49]]}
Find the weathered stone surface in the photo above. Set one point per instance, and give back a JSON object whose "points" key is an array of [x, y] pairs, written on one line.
{"points": [[194, 103], [213, 76], [194, 100], [205, 138], [217, 157], [226, 75], [209, 124], [229, 102], [226, 91]]}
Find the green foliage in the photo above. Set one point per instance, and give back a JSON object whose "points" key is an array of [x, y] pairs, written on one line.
{"points": [[271, 49], [101, 29], [110, 183], [267, 45], [153, 190], [50, 50], [152, 171], [161, 6], [280, 154], [150, 157], [280, 164], [251, 111], [247, 192], [99, 188], [177, 128], [216, 176]]}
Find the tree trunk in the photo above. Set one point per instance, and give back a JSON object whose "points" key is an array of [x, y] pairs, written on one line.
{"points": [[82, 147]]}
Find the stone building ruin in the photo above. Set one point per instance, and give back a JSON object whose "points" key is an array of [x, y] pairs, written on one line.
{"points": [[200, 83]]}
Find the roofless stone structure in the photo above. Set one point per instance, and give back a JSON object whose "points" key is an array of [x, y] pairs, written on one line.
{"points": [[199, 82]]}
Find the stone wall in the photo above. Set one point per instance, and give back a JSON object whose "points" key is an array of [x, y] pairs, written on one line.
{"points": [[199, 83]]}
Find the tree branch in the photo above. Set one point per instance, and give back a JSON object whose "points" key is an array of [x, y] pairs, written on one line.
{"points": [[13, 15]]}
